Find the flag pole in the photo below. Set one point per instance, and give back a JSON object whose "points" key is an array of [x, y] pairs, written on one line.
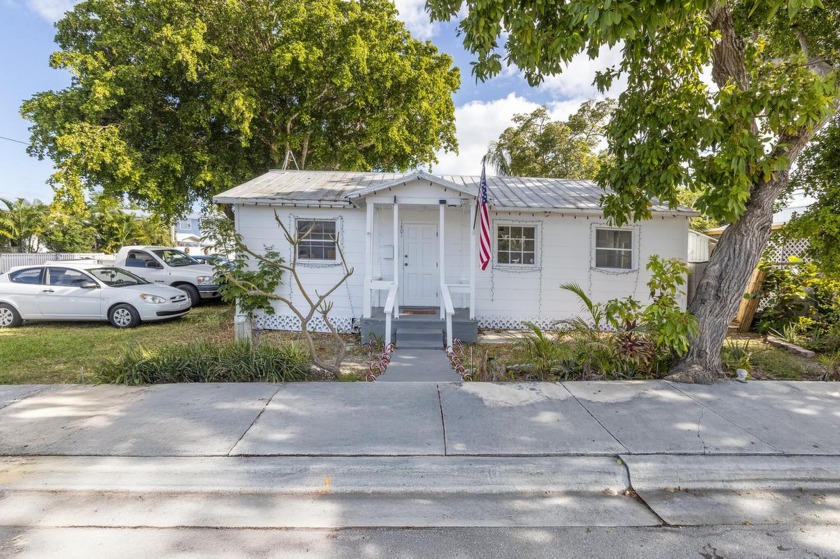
{"points": [[477, 203]]}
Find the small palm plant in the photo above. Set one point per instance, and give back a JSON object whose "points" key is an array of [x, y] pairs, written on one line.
{"points": [[596, 311], [543, 352], [830, 362]]}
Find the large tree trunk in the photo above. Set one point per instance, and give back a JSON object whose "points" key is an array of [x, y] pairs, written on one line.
{"points": [[722, 286]]}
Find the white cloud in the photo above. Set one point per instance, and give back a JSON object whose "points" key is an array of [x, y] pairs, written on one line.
{"points": [[51, 10], [477, 124], [576, 79], [413, 14], [480, 122]]}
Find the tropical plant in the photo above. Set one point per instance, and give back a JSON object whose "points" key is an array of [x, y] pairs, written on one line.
{"points": [[737, 355], [21, 222], [830, 362], [63, 232], [595, 310], [671, 327], [543, 352], [640, 340]]}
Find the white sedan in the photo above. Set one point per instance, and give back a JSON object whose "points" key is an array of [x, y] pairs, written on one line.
{"points": [[72, 291]]}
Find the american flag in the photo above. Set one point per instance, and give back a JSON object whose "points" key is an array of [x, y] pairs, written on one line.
{"points": [[484, 217]]}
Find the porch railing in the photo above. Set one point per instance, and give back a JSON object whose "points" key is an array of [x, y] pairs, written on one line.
{"points": [[389, 311], [378, 285], [449, 311]]}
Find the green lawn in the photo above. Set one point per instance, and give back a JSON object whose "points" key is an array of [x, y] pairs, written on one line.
{"points": [[57, 352]]}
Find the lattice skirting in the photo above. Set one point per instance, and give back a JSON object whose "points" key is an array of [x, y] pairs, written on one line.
{"points": [[345, 324], [507, 323], [291, 323]]}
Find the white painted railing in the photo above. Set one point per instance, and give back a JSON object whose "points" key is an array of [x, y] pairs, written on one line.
{"points": [[10, 260], [375, 285], [449, 310], [389, 311]]}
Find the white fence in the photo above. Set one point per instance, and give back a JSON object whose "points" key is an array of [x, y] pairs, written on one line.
{"points": [[10, 260]]}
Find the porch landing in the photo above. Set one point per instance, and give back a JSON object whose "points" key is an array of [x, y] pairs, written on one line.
{"points": [[463, 328]]}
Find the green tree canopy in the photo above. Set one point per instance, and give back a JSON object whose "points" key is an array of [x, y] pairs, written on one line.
{"points": [[819, 176], [172, 101], [540, 147], [774, 67]]}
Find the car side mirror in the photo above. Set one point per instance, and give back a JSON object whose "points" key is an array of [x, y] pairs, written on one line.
{"points": [[153, 264], [89, 285]]}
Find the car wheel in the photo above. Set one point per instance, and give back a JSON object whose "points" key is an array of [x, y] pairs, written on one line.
{"points": [[123, 316], [192, 293], [9, 317]]}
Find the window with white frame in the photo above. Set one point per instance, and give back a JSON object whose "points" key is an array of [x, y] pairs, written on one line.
{"points": [[614, 249], [185, 225], [516, 245], [317, 239]]}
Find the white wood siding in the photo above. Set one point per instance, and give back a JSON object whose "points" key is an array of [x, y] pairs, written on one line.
{"points": [[505, 296]]}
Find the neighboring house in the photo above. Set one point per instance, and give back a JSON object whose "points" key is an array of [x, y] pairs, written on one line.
{"points": [[188, 233], [412, 242], [778, 251], [700, 246]]}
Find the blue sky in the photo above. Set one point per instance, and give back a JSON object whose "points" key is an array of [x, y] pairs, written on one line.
{"points": [[483, 110]]}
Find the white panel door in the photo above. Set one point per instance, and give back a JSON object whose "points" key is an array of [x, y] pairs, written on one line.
{"points": [[420, 275]]}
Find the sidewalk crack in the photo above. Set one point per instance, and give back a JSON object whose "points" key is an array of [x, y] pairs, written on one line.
{"points": [[242, 436], [635, 493], [598, 421], [442, 420], [699, 436], [703, 405]]}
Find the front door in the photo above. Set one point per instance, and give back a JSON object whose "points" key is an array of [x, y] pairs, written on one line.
{"points": [[420, 276]]}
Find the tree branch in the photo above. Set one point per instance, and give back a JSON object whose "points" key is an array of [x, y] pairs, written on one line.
{"points": [[728, 57], [819, 65]]}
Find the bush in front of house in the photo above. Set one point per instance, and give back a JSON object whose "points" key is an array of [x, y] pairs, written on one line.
{"points": [[203, 361], [801, 306], [621, 338]]}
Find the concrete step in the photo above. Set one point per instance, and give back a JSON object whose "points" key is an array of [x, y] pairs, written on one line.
{"points": [[317, 492], [419, 338]]}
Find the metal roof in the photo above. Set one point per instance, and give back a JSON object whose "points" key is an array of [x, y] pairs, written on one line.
{"points": [[339, 188]]}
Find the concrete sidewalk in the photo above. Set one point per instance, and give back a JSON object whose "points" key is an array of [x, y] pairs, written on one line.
{"points": [[422, 419], [411, 419], [86, 459]]}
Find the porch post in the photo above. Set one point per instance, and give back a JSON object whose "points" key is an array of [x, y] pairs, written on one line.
{"points": [[397, 259], [368, 260], [441, 255], [472, 261]]}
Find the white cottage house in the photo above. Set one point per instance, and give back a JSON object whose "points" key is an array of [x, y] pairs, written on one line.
{"points": [[412, 241]]}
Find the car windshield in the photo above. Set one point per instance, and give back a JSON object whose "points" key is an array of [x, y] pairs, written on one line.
{"points": [[176, 258], [116, 277]]}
